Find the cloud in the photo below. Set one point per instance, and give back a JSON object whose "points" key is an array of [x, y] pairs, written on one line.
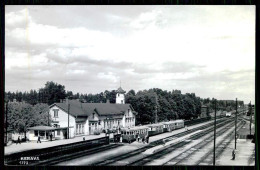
{"points": [[206, 50]]}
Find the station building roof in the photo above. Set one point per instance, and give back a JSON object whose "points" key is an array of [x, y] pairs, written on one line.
{"points": [[87, 109]]}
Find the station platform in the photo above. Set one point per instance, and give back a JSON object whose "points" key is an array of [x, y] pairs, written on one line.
{"points": [[245, 154], [245, 151], [14, 148]]}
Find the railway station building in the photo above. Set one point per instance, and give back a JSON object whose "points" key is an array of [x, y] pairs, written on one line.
{"points": [[92, 118]]}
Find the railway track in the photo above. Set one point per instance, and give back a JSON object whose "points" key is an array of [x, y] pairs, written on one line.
{"points": [[180, 160], [158, 142], [170, 149], [75, 155]]}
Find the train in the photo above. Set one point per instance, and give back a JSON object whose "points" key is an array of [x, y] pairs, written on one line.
{"points": [[228, 114], [132, 134]]}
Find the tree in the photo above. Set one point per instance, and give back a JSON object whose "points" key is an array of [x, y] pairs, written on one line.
{"points": [[52, 92], [23, 115]]}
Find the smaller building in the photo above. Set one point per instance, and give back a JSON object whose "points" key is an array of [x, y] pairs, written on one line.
{"points": [[44, 133]]}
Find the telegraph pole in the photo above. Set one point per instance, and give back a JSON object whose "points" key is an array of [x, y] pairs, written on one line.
{"points": [[156, 116], [68, 120], [250, 111], [6, 112], [236, 127], [215, 132], [48, 118]]}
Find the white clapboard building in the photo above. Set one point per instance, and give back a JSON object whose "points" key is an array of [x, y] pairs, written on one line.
{"points": [[91, 118]]}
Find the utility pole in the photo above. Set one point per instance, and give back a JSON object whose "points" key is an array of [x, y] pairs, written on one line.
{"points": [[6, 112], [48, 104], [250, 112], [215, 132], [236, 127], [48, 118], [156, 116], [68, 120]]}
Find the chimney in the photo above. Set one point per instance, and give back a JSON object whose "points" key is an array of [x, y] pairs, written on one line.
{"points": [[108, 101]]}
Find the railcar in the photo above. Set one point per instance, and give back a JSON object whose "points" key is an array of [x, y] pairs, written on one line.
{"points": [[179, 124], [172, 125], [131, 134], [155, 129]]}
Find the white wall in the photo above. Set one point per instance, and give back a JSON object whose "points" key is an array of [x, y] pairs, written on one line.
{"points": [[120, 97], [63, 120], [31, 135], [126, 117]]}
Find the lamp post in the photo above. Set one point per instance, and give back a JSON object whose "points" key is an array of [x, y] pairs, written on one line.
{"points": [[250, 112], [68, 117], [236, 127], [215, 132]]}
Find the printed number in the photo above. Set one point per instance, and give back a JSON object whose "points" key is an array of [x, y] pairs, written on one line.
{"points": [[23, 162]]}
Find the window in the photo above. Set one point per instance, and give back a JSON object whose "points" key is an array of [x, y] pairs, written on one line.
{"points": [[55, 112], [121, 101], [58, 132], [36, 133]]}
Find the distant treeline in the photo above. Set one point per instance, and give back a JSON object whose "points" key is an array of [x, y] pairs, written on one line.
{"points": [[167, 104]]}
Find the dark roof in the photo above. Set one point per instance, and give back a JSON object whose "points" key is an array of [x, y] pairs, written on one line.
{"points": [[120, 90], [75, 107], [41, 128], [86, 109]]}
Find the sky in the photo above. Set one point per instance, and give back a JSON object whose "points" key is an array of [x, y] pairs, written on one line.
{"points": [[206, 50]]}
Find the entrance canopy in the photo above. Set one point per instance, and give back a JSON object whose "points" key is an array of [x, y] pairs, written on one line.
{"points": [[43, 128], [41, 131]]}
